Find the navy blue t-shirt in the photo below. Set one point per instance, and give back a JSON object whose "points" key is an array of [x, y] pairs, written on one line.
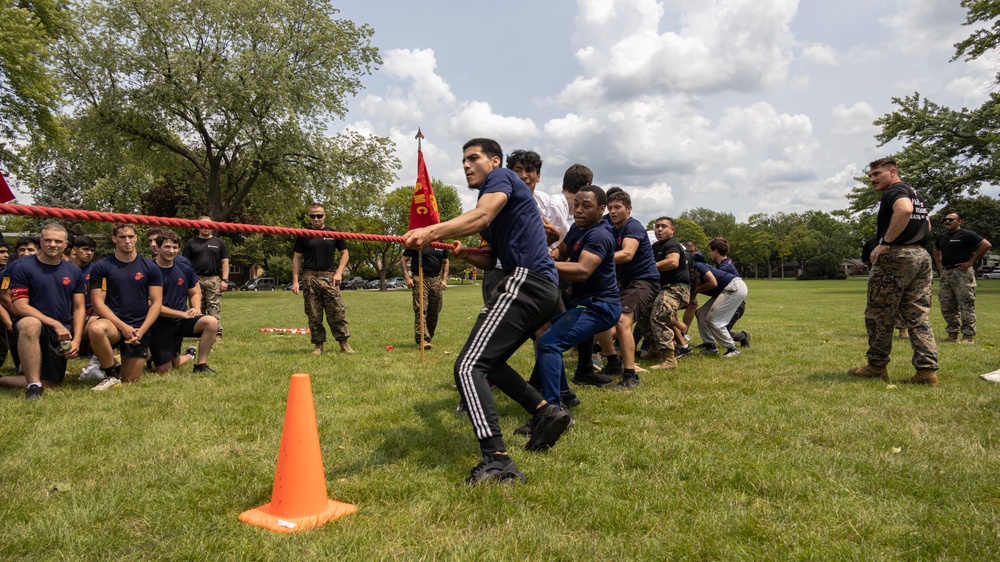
{"points": [[642, 266], [602, 284], [177, 279], [48, 288], [86, 282], [126, 286], [727, 265], [723, 278], [516, 235]]}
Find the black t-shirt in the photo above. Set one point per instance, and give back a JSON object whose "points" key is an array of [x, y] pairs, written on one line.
{"points": [[320, 253], [917, 231], [433, 260], [957, 247], [206, 254], [681, 273]]}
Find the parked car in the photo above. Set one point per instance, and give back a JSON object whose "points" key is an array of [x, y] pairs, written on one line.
{"points": [[992, 275], [353, 283], [287, 287], [259, 284], [396, 283], [373, 284]]}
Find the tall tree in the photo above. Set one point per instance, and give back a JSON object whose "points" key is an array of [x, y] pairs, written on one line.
{"points": [[28, 90], [237, 91], [714, 223]]}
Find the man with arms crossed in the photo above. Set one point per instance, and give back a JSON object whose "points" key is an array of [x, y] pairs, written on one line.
{"points": [[47, 294], [956, 252], [900, 278], [126, 291], [177, 320], [507, 219]]}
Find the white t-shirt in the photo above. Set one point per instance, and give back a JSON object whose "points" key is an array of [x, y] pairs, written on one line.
{"points": [[555, 210]]}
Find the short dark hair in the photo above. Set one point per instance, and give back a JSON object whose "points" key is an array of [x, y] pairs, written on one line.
{"points": [[619, 195], [668, 219], [576, 176], [83, 241], [120, 226], [881, 162], [720, 245], [956, 213], [3, 243], [154, 232], [490, 147], [602, 198], [25, 240], [530, 159], [167, 235]]}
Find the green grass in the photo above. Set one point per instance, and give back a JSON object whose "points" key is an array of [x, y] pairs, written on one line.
{"points": [[776, 455]]}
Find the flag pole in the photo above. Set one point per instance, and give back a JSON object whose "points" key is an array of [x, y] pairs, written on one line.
{"points": [[420, 272]]}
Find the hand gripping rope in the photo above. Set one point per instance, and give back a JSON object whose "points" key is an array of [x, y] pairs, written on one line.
{"points": [[99, 216]]}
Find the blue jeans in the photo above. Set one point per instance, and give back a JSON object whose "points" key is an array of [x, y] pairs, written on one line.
{"points": [[587, 319]]}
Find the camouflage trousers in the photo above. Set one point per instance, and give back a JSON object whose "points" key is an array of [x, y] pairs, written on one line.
{"points": [[433, 301], [957, 295], [211, 297], [669, 301], [321, 295], [901, 280]]}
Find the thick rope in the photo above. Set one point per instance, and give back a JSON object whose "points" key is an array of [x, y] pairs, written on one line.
{"points": [[100, 216]]}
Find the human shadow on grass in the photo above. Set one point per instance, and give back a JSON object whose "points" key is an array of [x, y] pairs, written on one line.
{"points": [[435, 436]]}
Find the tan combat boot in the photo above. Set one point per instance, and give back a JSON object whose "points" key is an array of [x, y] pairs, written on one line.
{"points": [[318, 350], [669, 361], [967, 340], [952, 337], [346, 347], [923, 376], [870, 372], [904, 334]]}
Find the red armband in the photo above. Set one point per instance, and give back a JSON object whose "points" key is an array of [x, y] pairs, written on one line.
{"points": [[18, 293]]}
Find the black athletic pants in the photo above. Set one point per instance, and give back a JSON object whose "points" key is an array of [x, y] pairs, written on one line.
{"points": [[522, 303]]}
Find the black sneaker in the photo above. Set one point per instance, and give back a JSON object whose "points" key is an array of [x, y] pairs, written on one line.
{"points": [[628, 382], [613, 369], [33, 392], [745, 342], [204, 368], [704, 345], [569, 398], [495, 468], [592, 377], [709, 351], [552, 422], [682, 351], [462, 410], [525, 430], [191, 350]]}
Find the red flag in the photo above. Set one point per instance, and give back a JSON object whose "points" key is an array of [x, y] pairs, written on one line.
{"points": [[6, 194], [423, 206]]}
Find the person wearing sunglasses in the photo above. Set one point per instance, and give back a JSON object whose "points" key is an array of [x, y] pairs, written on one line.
{"points": [[955, 253]]}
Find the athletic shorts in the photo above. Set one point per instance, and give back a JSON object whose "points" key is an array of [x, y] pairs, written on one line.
{"points": [[138, 349], [53, 361], [167, 336], [638, 297]]}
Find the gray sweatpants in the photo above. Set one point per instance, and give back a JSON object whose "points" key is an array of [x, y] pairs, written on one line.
{"points": [[716, 313]]}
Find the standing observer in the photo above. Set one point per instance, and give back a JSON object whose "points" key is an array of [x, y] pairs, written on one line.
{"points": [[322, 272], [210, 258], [900, 277], [956, 252], [435, 265]]}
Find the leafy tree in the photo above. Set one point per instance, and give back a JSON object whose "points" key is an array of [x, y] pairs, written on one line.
{"points": [[714, 223], [28, 91], [237, 92], [685, 229]]}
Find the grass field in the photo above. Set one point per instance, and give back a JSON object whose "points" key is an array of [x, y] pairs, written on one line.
{"points": [[776, 455]]}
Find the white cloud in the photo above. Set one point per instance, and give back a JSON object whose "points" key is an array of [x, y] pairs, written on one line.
{"points": [[854, 120], [818, 53], [973, 89], [476, 119], [927, 26]]}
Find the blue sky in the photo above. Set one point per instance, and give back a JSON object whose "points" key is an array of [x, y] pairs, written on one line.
{"points": [[743, 106]]}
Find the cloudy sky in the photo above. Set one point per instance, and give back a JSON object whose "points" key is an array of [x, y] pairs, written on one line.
{"points": [[743, 106]]}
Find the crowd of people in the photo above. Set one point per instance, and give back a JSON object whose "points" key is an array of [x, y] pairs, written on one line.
{"points": [[575, 272]]}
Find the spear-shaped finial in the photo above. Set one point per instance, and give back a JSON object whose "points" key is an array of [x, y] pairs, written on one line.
{"points": [[419, 137]]}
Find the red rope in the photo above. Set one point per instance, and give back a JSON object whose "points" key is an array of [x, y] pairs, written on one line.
{"points": [[100, 216]]}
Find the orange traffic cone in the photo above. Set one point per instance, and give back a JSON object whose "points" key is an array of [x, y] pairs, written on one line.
{"points": [[298, 499]]}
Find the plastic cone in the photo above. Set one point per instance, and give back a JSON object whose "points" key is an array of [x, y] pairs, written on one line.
{"points": [[298, 499]]}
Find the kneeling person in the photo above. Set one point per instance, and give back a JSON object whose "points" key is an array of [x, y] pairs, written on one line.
{"points": [[595, 305], [178, 320], [47, 295]]}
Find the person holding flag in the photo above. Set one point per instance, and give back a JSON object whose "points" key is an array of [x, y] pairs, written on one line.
{"points": [[430, 265]]}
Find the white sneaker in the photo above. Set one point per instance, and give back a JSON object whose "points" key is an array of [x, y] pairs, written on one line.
{"points": [[991, 377], [94, 374], [107, 383], [687, 337]]}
